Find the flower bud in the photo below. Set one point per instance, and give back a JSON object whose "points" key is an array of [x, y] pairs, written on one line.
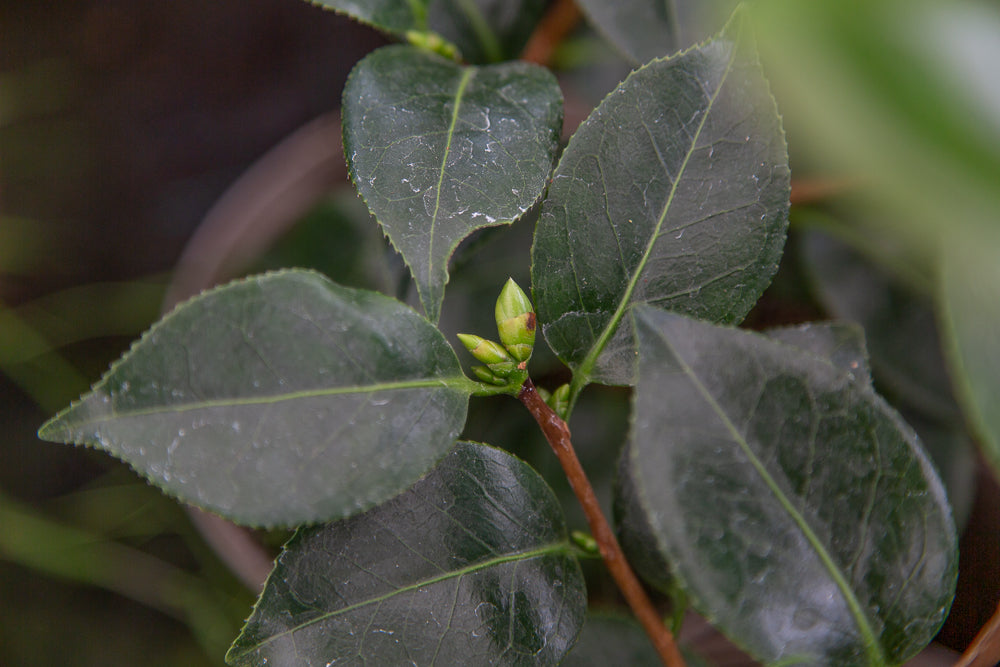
{"points": [[559, 400], [484, 374], [515, 321], [484, 350]]}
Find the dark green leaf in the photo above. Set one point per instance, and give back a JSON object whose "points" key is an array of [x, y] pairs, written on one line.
{"points": [[900, 326], [641, 29], [794, 506], [612, 640], [439, 150], [840, 343], [673, 193], [486, 30], [278, 400], [469, 567], [971, 317], [394, 16]]}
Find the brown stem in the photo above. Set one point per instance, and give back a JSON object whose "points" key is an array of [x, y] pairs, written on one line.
{"points": [[557, 433], [558, 22], [984, 651]]}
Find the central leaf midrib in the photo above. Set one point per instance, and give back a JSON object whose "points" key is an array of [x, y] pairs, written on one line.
{"points": [[872, 647], [549, 549], [445, 382], [459, 94], [588, 363]]}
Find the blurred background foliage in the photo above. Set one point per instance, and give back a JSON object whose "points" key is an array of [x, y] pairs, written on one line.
{"points": [[123, 121]]}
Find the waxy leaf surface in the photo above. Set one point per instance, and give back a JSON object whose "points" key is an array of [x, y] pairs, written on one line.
{"points": [[278, 400], [471, 566], [674, 193], [439, 150], [796, 509], [640, 29], [841, 344]]}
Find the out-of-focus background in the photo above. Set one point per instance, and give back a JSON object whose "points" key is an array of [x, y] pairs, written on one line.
{"points": [[122, 122]]}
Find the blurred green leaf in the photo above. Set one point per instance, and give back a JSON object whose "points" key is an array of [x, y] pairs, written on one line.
{"points": [[970, 306], [640, 29], [471, 566], [674, 192], [439, 150], [794, 506], [278, 400], [908, 106]]}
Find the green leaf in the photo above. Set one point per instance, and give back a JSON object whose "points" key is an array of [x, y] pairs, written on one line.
{"points": [[393, 16], [970, 305], [794, 506], [640, 29], [278, 400], [439, 150], [612, 640], [482, 30], [899, 325], [487, 30], [471, 566], [840, 343], [673, 193]]}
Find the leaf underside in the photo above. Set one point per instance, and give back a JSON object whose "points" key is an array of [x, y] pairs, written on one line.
{"points": [[673, 193], [471, 566], [439, 150], [278, 400], [797, 510]]}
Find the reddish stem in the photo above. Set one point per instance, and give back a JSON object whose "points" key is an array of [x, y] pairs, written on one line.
{"points": [[557, 433], [558, 22]]}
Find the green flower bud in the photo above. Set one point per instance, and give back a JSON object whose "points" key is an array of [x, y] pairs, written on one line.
{"points": [[559, 400], [515, 321], [586, 542], [486, 351], [484, 374]]}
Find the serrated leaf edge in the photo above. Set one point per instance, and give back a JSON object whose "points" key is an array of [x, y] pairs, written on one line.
{"points": [[434, 315]]}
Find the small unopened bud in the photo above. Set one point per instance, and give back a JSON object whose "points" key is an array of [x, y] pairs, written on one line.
{"points": [[484, 374], [559, 400], [515, 321], [484, 350]]}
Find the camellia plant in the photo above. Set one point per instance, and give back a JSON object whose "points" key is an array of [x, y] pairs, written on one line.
{"points": [[764, 483]]}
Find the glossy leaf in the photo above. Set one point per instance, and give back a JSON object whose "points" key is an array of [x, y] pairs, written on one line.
{"points": [[439, 150], [843, 345], [971, 317], [393, 16], [794, 506], [673, 193], [640, 29], [469, 567], [278, 400]]}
